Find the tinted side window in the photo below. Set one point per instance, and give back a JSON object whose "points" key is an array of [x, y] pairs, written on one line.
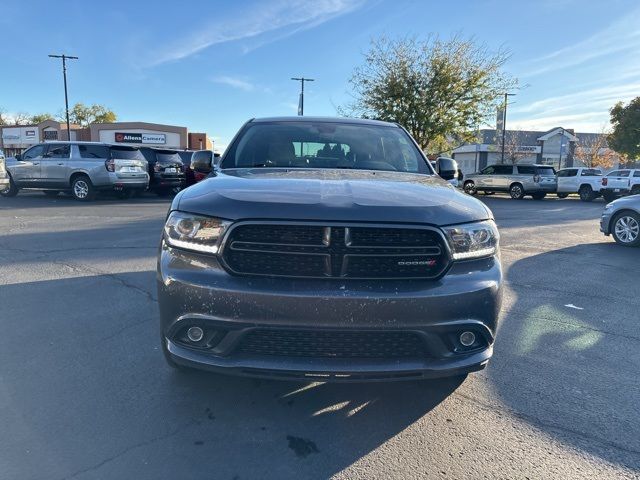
{"points": [[571, 173], [93, 151], [548, 171], [58, 151], [624, 173], [33, 152], [526, 170], [488, 171], [504, 170], [636, 173], [591, 172]]}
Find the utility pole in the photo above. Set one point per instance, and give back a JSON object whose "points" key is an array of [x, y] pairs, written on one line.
{"points": [[301, 101], [66, 96], [504, 122], [561, 145]]}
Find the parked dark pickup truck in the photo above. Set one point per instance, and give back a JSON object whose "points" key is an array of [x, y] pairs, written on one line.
{"points": [[327, 249]]}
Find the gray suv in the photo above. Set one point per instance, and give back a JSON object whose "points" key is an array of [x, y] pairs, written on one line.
{"points": [[4, 177], [82, 168], [327, 249], [517, 180]]}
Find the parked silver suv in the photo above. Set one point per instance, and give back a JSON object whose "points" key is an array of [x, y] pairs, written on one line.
{"points": [[4, 177], [518, 180], [83, 168]]}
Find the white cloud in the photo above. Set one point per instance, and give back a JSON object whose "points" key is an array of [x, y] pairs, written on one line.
{"points": [[235, 82], [580, 122], [265, 16], [620, 37]]}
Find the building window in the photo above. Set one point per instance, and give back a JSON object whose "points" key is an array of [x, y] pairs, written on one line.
{"points": [[50, 135]]}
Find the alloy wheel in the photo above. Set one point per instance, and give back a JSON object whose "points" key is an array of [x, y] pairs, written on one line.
{"points": [[627, 229], [81, 189]]}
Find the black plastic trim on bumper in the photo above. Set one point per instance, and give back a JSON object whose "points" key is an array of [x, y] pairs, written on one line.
{"points": [[327, 370]]}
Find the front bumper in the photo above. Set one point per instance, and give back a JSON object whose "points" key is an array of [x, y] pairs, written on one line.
{"points": [[194, 289], [605, 222]]}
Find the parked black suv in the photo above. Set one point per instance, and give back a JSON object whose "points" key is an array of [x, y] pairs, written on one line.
{"points": [[327, 249], [166, 170]]}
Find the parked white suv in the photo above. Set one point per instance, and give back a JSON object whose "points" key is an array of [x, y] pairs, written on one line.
{"points": [[584, 181], [619, 183]]}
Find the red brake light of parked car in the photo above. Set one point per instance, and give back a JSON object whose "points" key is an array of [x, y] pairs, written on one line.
{"points": [[110, 165], [604, 181]]}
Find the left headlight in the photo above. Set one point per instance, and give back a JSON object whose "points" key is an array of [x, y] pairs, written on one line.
{"points": [[194, 232], [473, 240]]}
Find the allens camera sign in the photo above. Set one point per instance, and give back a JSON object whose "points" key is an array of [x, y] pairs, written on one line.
{"points": [[155, 138]]}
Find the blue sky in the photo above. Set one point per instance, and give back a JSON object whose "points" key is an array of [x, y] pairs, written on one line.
{"points": [[211, 65]]}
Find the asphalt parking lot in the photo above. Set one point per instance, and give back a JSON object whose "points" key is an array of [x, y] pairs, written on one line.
{"points": [[85, 392]]}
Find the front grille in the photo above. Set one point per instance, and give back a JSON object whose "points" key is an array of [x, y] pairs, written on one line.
{"points": [[332, 344], [318, 251]]}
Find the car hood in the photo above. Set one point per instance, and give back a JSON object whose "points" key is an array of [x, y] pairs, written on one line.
{"points": [[330, 195]]}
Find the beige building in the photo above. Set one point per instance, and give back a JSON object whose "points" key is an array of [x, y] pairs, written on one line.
{"points": [[16, 139]]}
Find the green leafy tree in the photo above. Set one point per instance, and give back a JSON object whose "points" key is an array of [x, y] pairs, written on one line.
{"points": [[625, 137], [40, 117], [436, 89], [84, 115]]}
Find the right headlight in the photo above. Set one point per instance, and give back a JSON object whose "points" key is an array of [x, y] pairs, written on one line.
{"points": [[194, 232], [473, 240]]}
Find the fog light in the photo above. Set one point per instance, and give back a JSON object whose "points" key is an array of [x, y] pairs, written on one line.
{"points": [[195, 334], [467, 338]]}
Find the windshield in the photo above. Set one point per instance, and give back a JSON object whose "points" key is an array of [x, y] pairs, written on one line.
{"points": [[546, 171], [325, 145], [125, 153], [168, 157]]}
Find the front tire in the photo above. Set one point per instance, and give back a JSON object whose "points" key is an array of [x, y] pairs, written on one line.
{"points": [[82, 189], [586, 193], [626, 229], [516, 191], [470, 188], [11, 191], [609, 197], [635, 190]]}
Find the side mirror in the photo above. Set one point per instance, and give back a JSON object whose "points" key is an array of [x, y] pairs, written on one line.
{"points": [[447, 168], [202, 161], [18, 157]]}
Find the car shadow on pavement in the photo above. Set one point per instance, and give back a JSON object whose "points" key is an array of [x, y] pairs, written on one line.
{"points": [[568, 349], [85, 391]]}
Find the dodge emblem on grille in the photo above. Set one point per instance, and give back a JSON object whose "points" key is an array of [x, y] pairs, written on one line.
{"points": [[416, 263]]}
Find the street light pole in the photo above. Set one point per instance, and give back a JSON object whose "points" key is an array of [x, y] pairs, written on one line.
{"points": [[66, 96], [301, 102], [504, 122]]}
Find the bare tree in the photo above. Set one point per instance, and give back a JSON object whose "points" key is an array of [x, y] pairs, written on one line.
{"points": [[512, 151], [593, 151], [21, 118]]}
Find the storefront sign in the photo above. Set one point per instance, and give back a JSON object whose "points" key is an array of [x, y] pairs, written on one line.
{"points": [[19, 135], [153, 138], [527, 149]]}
